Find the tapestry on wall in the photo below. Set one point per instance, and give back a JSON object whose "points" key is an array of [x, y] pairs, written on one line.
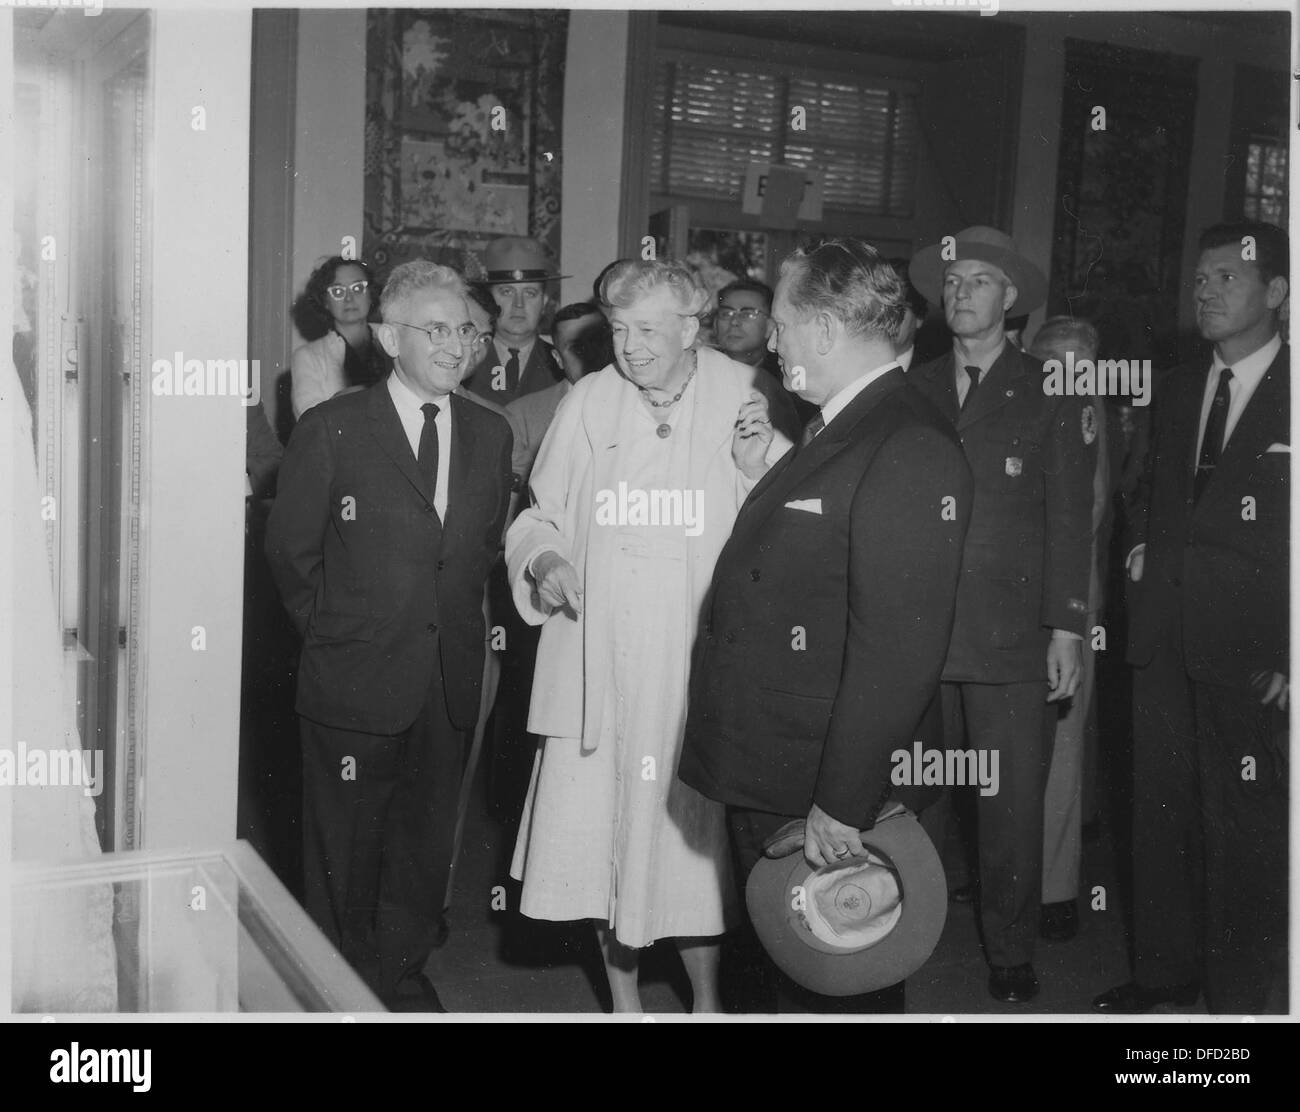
{"points": [[1118, 253], [463, 113]]}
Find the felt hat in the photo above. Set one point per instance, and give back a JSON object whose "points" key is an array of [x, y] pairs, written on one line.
{"points": [[857, 925], [927, 267], [517, 259]]}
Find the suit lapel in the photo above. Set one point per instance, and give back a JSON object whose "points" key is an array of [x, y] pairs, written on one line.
{"points": [[461, 465], [1265, 419], [538, 371], [1186, 424], [996, 388], [799, 462], [386, 427]]}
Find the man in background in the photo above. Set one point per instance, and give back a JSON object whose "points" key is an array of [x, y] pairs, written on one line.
{"points": [[1210, 644], [913, 317], [518, 361], [742, 326], [1022, 607]]}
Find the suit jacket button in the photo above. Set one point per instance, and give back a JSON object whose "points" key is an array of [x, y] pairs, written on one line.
{"points": [[1176, 581], [1024, 579], [440, 565], [755, 574], [730, 638], [431, 627]]}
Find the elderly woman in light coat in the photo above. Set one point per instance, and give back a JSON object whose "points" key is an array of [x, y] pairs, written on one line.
{"points": [[634, 493]]}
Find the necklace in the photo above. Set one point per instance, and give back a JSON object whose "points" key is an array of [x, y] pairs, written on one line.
{"points": [[677, 396]]}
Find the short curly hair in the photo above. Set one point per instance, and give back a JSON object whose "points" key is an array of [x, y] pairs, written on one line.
{"points": [[323, 277], [630, 279], [419, 274]]}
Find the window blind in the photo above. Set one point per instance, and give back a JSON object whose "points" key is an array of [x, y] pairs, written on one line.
{"points": [[711, 121]]}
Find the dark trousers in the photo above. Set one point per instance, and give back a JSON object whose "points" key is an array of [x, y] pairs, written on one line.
{"points": [[1014, 721], [1210, 826], [756, 982], [379, 818]]}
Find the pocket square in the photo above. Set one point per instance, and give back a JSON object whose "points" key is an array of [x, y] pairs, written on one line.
{"points": [[1278, 448], [808, 505]]}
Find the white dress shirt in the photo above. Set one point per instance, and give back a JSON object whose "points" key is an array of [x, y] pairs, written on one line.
{"points": [[836, 404], [408, 409], [904, 358], [1246, 376]]}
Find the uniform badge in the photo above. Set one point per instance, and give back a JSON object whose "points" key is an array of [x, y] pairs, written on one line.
{"points": [[1089, 424], [1014, 466]]}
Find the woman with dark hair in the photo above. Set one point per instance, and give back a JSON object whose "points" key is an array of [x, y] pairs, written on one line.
{"points": [[344, 291]]}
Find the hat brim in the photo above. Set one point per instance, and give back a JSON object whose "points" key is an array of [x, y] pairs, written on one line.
{"points": [[522, 281], [770, 896], [927, 266]]}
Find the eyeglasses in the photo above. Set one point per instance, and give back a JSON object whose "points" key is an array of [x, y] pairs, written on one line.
{"points": [[441, 333], [727, 314], [338, 293]]}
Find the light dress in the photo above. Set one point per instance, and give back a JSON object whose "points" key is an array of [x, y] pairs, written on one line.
{"points": [[611, 834]]}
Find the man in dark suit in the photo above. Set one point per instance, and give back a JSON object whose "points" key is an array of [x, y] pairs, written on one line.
{"points": [[389, 514], [832, 602], [1022, 607], [1209, 640], [518, 361]]}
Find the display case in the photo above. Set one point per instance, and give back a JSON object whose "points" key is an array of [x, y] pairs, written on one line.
{"points": [[200, 932]]}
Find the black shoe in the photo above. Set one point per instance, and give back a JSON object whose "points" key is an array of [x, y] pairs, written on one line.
{"points": [[1058, 922], [1013, 984], [415, 994], [962, 894], [1133, 999]]}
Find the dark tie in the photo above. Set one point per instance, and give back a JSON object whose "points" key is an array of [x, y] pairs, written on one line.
{"points": [[428, 455], [512, 371], [973, 373], [814, 426], [1212, 445]]}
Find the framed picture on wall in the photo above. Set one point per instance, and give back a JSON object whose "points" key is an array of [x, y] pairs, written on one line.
{"points": [[462, 136]]}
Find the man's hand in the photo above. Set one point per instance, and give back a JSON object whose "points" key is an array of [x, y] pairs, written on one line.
{"points": [[825, 839], [1134, 563], [1064, 667], [752, 437], [1273, 688], [557, 583]]}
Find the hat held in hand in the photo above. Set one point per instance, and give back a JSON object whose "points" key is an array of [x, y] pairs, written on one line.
{"points": [[856, 925]]}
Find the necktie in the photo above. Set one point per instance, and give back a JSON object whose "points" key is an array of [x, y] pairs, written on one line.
{"points": [[428, 455], [814, 426], [973, 373], [1212, 445], [512, 371]]}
